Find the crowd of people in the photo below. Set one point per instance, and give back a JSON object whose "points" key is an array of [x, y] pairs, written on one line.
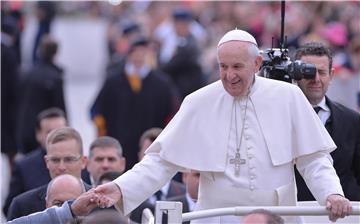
{"points": [[183, 116]]}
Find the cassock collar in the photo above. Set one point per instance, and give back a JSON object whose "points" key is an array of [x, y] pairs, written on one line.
{"points": [[142, 72]]}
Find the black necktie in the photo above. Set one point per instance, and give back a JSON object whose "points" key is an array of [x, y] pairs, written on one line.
{"points": [[317, 109]]}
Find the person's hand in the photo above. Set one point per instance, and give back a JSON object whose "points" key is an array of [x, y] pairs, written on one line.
{"points": [[107, 195], [84, 204], [338, 206]]}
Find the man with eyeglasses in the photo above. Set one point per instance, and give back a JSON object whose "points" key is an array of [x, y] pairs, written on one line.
{"points": [[64, 155], [30, 172]]}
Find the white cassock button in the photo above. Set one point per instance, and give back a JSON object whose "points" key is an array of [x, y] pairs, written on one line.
{"points": [[247, 137], [252, 188], [252, 177]]}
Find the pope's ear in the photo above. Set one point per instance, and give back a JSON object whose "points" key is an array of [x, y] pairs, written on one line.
{"points": [[258, 62]]}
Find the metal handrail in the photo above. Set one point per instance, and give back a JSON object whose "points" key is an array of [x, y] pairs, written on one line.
{"points": [[280, 210], [171, 211]]}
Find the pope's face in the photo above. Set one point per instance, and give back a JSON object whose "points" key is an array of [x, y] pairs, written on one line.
{"points": [[315, 89], [237, 67]]}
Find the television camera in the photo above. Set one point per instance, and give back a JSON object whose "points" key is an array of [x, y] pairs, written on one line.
{"points": [[277, 64]]}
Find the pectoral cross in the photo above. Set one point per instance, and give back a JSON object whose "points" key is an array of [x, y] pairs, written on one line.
{"points": [[237, 161]]}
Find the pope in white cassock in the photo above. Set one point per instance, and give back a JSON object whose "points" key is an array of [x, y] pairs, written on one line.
{"points": [[243, 134]]}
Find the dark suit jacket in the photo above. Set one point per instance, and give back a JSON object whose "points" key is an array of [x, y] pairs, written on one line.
{"points": [[175, 189], [27, 174], [30, 202], [41, 89], [344, 128], [9, 79]]}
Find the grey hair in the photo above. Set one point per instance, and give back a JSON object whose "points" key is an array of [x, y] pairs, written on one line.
{"points": [[253, 50]]}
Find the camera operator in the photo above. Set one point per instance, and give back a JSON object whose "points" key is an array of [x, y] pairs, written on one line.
{"points": [[343, 124]]}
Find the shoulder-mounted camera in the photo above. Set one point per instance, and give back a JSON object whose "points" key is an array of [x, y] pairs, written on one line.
{"points": [[277, 64]]}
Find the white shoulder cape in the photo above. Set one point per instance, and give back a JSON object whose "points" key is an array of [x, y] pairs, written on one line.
{"points": [[197, 137]]}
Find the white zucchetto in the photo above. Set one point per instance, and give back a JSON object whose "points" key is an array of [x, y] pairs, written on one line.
{"points": [[239, 35]]}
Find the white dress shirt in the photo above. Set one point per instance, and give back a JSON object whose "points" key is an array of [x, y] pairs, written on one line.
{"points": [[324, 113]]}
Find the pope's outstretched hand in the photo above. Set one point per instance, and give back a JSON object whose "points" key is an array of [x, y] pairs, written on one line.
{"points": [[107, 195]]}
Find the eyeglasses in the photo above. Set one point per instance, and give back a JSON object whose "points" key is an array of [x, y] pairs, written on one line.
{"points": [[66, 159], [57, 203]]}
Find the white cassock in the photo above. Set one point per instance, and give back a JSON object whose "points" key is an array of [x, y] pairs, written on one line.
{"points": [[280, 129]]}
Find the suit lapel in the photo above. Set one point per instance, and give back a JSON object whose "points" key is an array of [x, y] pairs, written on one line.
{"points": [[335, 126], [42, 193]]}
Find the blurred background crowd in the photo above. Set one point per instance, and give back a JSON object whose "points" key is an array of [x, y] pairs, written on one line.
{"points": [[68, 55]]}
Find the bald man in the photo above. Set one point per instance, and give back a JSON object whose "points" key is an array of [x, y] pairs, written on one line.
{"points": [[261, 216], [62, 188]]}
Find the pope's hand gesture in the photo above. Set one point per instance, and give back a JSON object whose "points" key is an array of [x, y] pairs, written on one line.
{"points": [[107, 195], [83, 205], [338, 206]]}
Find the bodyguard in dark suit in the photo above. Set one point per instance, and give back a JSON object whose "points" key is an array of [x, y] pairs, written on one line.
{"points": [[342, 123], [64, 156], [41, 88], [30, 172]]}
